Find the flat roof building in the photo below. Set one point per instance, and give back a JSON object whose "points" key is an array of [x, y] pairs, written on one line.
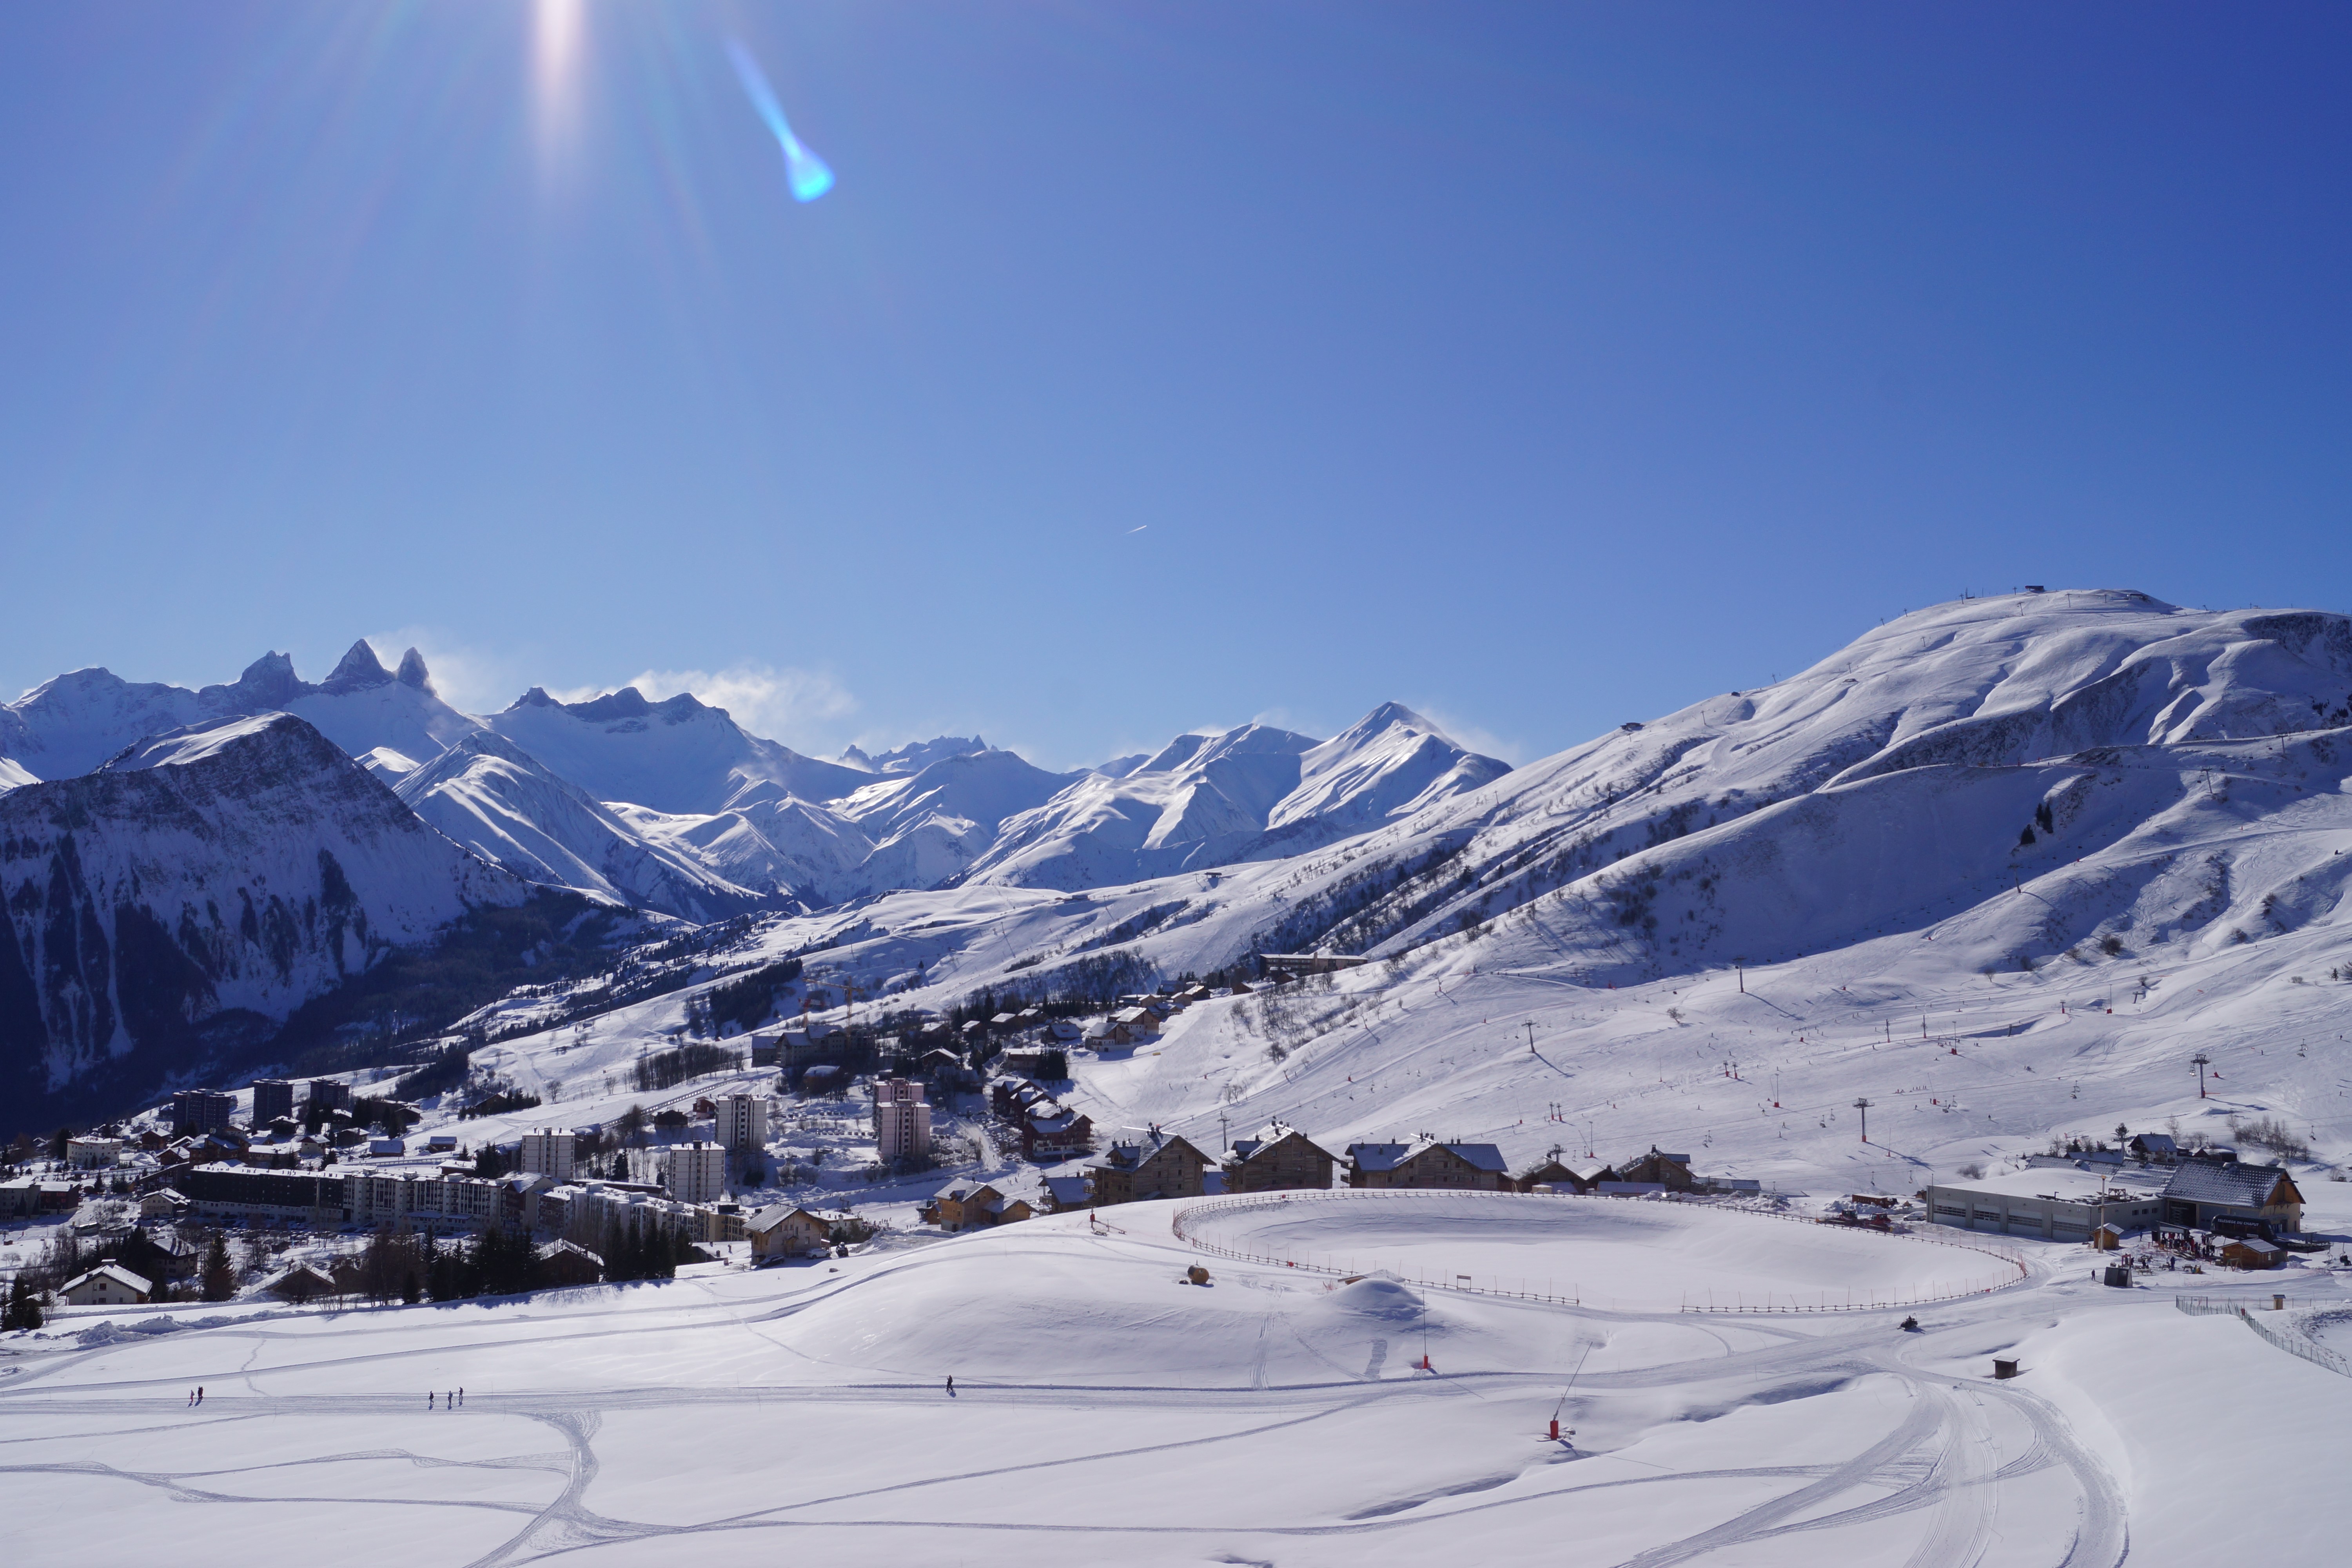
{"points": [[2055, 1204]]}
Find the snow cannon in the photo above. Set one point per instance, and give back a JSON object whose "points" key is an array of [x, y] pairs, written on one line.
{"points": [[1197, 1275]]}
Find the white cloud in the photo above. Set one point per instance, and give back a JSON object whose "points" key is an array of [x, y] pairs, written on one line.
{"points": [[788, 705], [470, 679], [798, 707]]}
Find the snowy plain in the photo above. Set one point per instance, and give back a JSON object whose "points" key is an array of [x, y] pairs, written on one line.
{"points": [[1104, 1408]]}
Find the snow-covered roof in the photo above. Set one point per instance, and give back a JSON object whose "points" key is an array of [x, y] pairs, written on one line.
{"points": [[2061, 1182], [2204, 1182], [115, 1272]]}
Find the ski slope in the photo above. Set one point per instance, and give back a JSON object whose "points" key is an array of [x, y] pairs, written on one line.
{"points": [[1103, 1408]]}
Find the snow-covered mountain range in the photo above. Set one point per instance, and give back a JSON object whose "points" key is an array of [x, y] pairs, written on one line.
{"points": [[673, 807], [68, 726]]}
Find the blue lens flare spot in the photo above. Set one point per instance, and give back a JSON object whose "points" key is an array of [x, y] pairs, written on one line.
{"points": [[804, 171]]}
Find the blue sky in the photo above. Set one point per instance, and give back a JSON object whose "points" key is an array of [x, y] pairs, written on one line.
{"points": [[1153, 365]]}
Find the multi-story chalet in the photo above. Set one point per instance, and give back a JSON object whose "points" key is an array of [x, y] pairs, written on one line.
{"points": [[1549, 1173], [1053, 1132], [1279, 1159], [1671, 1171], [1475, 1167], [784, 1230], [966, 1205], [1157, 1165], [2234, 1199]]}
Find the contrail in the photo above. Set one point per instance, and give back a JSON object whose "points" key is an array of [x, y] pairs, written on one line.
{"points": [[803, 170]]}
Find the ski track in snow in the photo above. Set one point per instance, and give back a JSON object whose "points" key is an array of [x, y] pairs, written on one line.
{"points": [[1934, 1472]]}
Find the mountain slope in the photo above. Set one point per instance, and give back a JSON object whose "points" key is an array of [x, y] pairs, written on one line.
{"points": [[677, 756], [1242, 794], [929, 828], [790, 851], [490, 795], [184, 900], [2003, 867]]}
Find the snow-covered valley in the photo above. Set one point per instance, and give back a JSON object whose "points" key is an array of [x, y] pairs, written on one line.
{"points": [[2023, 874]]}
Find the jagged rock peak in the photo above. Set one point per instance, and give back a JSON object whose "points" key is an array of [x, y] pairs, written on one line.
{"points": [[413, 671], [358, 670], [269, 681]]}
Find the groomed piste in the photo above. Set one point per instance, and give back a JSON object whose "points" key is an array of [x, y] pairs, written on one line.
{"points": [[1621, 1254], [1106, 1408]]}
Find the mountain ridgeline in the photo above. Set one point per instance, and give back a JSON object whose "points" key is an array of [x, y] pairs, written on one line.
{"points": [[2083, 775], [202, 880]]}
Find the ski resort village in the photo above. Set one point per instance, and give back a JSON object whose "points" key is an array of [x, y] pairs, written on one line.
{"points": [[1901, 1114]]}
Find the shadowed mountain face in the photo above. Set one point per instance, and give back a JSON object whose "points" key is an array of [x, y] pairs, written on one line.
{"points": [[181, 903]]}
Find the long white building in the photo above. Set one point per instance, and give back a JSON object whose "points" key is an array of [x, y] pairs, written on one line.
{"points": [[2057, 1205]]}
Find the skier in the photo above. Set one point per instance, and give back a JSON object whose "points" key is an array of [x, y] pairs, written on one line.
{"points": [[950, 1382], [200, 1393], [428, 1399], [461, 1395]]}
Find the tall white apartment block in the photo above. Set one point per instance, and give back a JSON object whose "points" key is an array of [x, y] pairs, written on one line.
{"points": [[697, 1171], [743, 1122], [902, 1123], [547, 1152]]}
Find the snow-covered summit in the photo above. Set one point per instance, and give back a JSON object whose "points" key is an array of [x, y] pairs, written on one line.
{"points": [[1234, 794], [488, 795], [678, 755], [914, 756]]}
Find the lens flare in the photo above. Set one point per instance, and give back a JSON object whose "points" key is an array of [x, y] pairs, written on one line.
{"points": [[803, 170]]}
